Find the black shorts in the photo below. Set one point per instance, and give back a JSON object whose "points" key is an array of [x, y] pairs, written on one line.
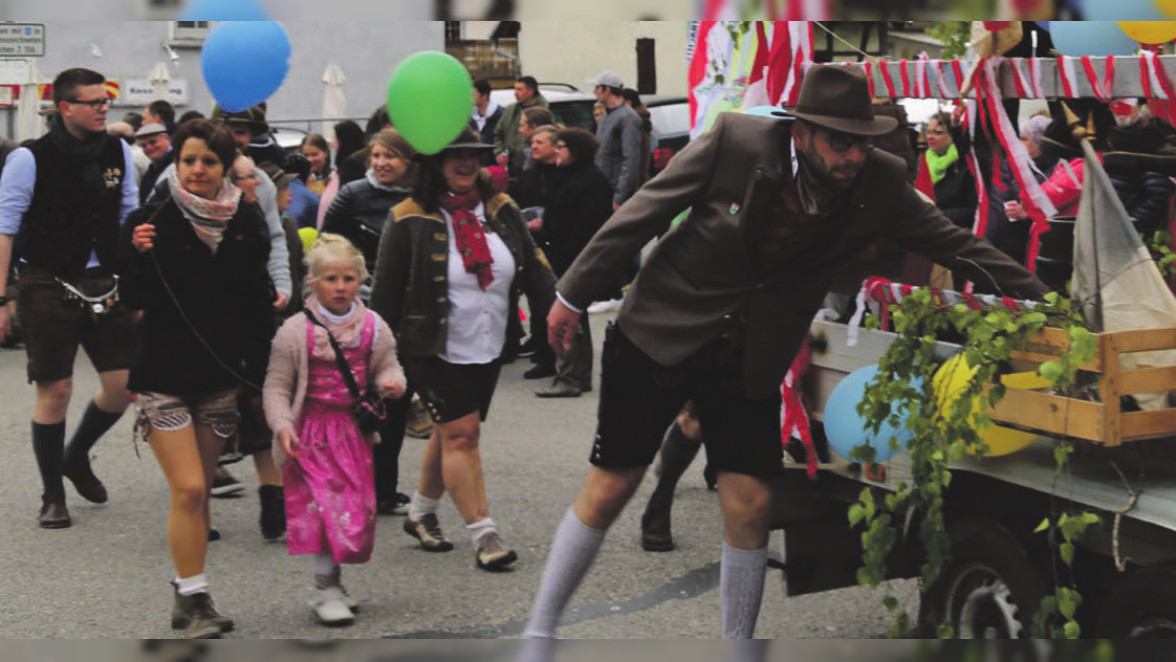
{"points": [[54, 325], [639, 398], [453, 390]]}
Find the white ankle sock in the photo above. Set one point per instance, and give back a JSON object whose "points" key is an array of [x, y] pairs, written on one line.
{"points": [[479, 529], [324, 564], [422, 505], [741, 586], [572, 552], [192, 585]]}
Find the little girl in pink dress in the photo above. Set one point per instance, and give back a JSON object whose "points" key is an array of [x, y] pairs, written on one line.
{"points": [[326, 461]]}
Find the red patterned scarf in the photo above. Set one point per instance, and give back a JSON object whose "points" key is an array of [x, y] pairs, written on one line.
{"points": [[469, 235]]}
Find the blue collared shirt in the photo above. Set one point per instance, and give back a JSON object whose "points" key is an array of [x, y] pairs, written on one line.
{"points": [[20, 175]]}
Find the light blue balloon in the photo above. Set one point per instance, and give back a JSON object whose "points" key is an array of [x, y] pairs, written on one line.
{"points": [[1077, 38], [223, 10], [766, 111], [244, 62], [1121, 10], [846, 429]]}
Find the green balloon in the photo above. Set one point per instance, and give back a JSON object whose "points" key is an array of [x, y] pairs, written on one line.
{"points": [[429, 100]]}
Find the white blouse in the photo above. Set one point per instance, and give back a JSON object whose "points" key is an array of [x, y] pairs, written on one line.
{"points": [[477, 319]]}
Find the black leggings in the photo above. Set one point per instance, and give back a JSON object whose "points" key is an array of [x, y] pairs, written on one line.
{"points": [[386, 454]]}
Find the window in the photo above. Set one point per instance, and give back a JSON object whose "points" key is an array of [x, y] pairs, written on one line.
{"points": [[189, 33]]}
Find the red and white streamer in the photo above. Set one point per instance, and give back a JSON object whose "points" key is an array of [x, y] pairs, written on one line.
{"points": [[1104, 90], [1068, 76]]}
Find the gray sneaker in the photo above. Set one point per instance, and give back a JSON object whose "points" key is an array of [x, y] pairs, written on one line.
{"points": [[427, 530], [492, 553], [330, 607]]}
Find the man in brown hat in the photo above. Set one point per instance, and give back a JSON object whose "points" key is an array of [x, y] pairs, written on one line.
{"points": [[722, 304]]}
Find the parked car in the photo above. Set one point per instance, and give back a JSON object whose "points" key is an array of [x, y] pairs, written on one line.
{"points": [[570, 106]]}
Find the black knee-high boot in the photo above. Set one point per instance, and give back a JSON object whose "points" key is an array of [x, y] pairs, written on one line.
{"points": [[49, 448], [93, 425], [677, 452]]}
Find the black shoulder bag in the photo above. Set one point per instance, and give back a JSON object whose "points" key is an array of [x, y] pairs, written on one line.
{"points": [[368, 408]]}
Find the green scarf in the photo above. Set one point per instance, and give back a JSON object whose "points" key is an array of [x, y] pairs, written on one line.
{"points": [[938, 165], [83, 154]]}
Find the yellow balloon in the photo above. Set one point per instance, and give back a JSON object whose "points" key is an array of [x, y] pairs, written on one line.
{"points": [[950, 381], [307, 235], [1152, 32], [1168, 7]]}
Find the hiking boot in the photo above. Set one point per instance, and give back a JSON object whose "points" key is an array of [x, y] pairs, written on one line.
{"points": [[223, 484], [427, 530], [85, 482], [655, 529], [54, 514], [492, 553], [273, 512], [198, 617], [330, 606], [559, 389]]}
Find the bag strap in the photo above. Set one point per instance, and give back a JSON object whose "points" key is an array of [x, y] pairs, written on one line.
{"points": [[340, 360]]}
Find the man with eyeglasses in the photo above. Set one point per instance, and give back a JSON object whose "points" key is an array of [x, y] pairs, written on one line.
{"points": [[67, 195], [721, 306]]}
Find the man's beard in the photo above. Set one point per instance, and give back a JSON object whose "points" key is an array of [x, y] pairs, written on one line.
{"points": [[820, 194]]}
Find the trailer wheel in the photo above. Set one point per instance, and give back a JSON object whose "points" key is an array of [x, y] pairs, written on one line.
{"points": [[1141, 605], [989, 589]]}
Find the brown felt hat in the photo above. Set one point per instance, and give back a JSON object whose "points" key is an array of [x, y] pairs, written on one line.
{"points": [[838, 97]]}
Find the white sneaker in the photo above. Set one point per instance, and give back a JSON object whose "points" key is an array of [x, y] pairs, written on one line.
{"points": [[605, 306], [330, 606]]}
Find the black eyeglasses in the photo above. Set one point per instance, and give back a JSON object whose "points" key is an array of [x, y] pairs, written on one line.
{"points": [[93, 103], [842, 142]]}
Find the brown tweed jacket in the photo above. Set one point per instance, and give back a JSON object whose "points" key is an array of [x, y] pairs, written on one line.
{"points": [[700, 278]]}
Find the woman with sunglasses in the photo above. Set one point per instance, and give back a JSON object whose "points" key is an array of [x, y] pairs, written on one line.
{"points": [[944, 174]]}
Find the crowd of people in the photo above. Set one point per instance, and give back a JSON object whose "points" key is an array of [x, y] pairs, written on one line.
{"points": [[292, 307]]}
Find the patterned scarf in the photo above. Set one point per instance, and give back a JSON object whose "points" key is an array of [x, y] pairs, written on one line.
{"points": [[469, 235], [346, 327], [208, 217]]}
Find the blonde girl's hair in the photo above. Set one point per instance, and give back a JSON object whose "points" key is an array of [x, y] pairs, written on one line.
{"points": [[330, 246]]}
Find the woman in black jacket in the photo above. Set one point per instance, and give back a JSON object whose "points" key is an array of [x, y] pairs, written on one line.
{"points": [[579, 205], [194, 262], [360, 210]]}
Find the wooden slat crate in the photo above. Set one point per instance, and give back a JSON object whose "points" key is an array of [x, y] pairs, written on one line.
{"points": [[1099, 422]]}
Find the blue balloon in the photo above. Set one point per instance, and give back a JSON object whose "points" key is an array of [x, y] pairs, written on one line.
{"points": [[1044, 25], [766, 111], [1077, 38], [845, 429], [1121, 10], [244, 62], [223, 10]]}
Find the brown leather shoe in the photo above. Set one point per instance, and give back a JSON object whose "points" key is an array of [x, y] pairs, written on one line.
{"points": [[655, 530], [85, 482], [559, 389], [54, 514]]}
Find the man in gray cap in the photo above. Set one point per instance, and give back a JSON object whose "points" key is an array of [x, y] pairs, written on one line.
{"points": [[156, 144], [619, 132], [722, 305]]}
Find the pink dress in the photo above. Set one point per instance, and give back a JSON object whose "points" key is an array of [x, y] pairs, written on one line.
{"points": [[330, 496]]}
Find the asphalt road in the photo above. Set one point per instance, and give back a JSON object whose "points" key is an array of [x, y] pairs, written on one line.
{"points": [[107, 576]]}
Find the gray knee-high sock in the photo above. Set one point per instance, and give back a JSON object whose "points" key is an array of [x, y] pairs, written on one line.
{"points": [[572, 552], [741, 585], [749, 650], [677, 452]]}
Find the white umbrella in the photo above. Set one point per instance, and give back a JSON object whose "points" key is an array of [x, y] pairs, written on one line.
{"points": [[334, 103], [30, 124], [160, 79]]}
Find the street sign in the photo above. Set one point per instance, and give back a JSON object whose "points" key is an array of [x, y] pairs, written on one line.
{"points": [[22, 39]]}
